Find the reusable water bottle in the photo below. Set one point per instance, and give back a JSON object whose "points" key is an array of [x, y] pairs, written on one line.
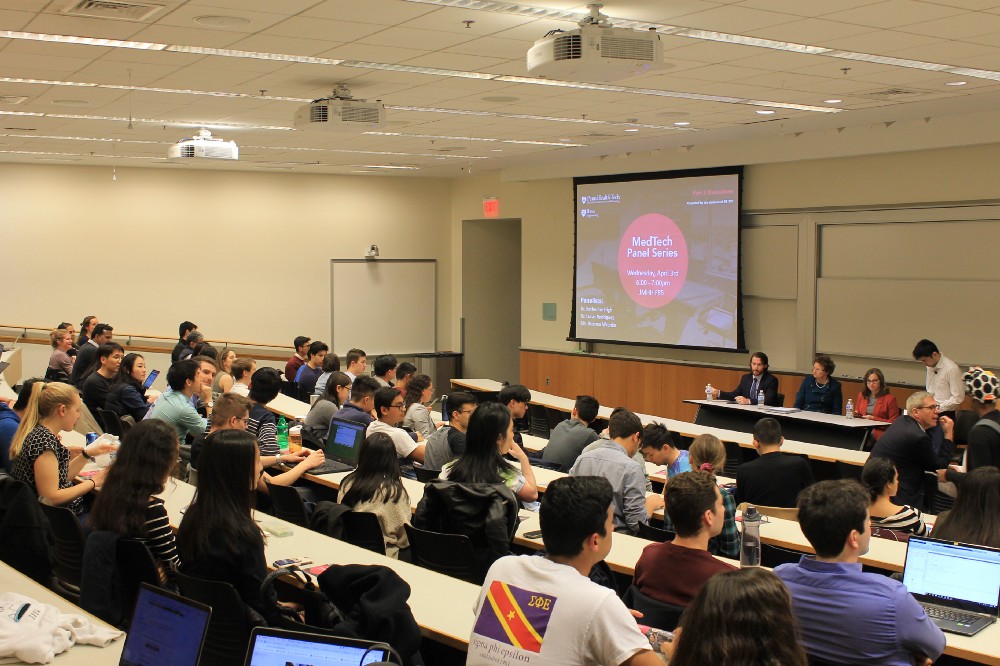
{"points": [[760, 398], [445, 414], [849, 411], [750, 545], [283, 434]]}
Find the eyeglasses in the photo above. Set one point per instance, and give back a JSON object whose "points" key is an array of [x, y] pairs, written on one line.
{"points": [[399, 406], [874, 380], [936, 408], [466, 411]]}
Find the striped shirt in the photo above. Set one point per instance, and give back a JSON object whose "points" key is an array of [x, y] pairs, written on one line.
{"points": [[907, 519], [159, 537], [261, 424]]}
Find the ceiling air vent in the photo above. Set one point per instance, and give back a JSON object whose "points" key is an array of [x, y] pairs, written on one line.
{"points": [[113, 9], [893, 93], [12, 99]]}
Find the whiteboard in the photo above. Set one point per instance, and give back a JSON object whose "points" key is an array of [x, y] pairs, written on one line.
{"points": [[384, 306]]}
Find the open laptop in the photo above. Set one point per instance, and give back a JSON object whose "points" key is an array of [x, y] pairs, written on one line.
{"points": [[278, 647], [343, 444], [150, 378], [166, 630], [958, 584]]}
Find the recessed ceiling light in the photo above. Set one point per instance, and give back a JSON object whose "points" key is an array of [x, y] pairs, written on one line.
{"points": [[832, 101], [765, 112], [682, 124], [219, 21], [631, 129], [956, 83], [496, 150], [71, 102]]}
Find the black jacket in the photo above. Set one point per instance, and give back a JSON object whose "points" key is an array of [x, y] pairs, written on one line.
{"points": [[768, 384], [907, 445], [25, 534], [484, 512]]}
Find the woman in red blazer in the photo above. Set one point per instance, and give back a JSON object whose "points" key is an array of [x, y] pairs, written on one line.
{"points": [[875, 403]]}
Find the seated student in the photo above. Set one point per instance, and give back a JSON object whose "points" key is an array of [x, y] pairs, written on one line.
{"points": [[224, 378], [87, 355], [875, 403], [515, 398], [174, 406], [489, 438], [69, 328], [568, 439], [658, 448], [62, 344], [578, 622], [389, 406], [848, 615], [755, 601], [97, 382], [404, 373], [880, 478], [127, 396], [38, 457], [193, 339], [774, 478], [265, 387], [362, 402], [310, 371], [205, 349], [357, 363], [334, 396], [10, 419], [298, 359], [376, 486], [674, 572], [219, 538], [709, 455], [613, 460], [975, 518], [448, 442], [983, 440], [821, 392], [86, 329], [182, 333], [384, 370], [331, 364], [418, 393], [127, 504], [242, 370]]}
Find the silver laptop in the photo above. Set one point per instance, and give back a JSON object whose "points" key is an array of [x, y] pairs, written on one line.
{"points": [[278, 647], [166, 630], [343, 444], [958, 584]]}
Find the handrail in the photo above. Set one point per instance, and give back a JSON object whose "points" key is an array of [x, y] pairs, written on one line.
{"points": [[130, 336]]}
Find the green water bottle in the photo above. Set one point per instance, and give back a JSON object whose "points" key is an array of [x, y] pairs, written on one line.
{"points": [[283, 434]]}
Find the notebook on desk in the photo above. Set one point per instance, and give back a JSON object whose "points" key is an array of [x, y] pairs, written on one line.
{"points": [[343, 444], [166, 630], [958, 584], [278, 647]]}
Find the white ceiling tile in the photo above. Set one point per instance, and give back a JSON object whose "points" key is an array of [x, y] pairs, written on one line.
{"points": [[415, 39], [734, 19], [378, 12], [167, 34], [804, 8], [881, 41], [279, 44], [452, 61], [308, 27], [450, 19], [893, 13], [14, 20], [186, 17], [808, 31], [373, 53], [491, 46], [958, 27], [59, 24], [969, 4], [284, 7], [712, 52], [950, 52]]}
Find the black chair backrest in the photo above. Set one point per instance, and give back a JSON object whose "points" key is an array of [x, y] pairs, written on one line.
{"points": [[772, 556], [654, 613], [67, 553], [288, 505], [362, 529], [56, 375], [824, 470], [781, 400], [111, 421], [849, 471], [136, 565], [538, 421], [424, 475], [547, 464], [647, 531], [734, 458], [964, 420], [229, 629], [450, 554]]}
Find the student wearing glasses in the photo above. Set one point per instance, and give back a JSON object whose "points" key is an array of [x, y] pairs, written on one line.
{"points": [[391, 409], [907, 443]]}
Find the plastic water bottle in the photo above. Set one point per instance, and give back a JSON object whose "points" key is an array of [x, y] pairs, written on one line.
{"points": [[849, 410], [708, 392], [760, 399], [283, 434], [750, 545]]}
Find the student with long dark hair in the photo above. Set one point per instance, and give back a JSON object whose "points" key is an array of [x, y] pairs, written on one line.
{"points": [[126, 397], [376, 486], [126, 504], [86, 327], [418, 392], [335, 394], [491, 436], [754, 608], [881, 479], [218, 538], [975, 518]]}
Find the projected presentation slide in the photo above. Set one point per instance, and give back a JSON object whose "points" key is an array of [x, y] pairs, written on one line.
{"points": [[657, 260]]}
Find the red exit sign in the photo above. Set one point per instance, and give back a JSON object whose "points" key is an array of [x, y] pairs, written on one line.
{"points": [[491, 207]]}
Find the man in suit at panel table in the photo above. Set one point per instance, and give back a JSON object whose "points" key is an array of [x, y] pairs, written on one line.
{"points": [[752, 383], [908, 444], [775, 478]]}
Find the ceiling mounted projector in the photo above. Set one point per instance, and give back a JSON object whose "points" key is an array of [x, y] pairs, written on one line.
{"points": [[204, 145], [340, 113], [596, 51]]}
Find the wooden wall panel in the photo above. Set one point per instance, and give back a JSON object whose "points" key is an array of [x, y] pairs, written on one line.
{"points": [[645, 388], [573, 376], [529, 370], [612, 382]]}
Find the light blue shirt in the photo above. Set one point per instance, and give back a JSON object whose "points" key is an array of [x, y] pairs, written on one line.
{"points": [[175, 408], [627, 477]]}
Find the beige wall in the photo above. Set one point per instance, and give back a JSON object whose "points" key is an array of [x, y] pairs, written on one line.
{"points": [[158, 246]]}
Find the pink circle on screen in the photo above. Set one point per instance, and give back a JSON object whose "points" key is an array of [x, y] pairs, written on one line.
{"points": [[652, 260]]}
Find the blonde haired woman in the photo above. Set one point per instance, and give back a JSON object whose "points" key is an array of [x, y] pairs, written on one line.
{"points": [[40, 459], [62, 342]]}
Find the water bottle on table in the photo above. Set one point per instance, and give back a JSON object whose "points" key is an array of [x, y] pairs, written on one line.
{"points": [[282, 434], [760, 398], [849, 410], [708, 392], [750, 544]]}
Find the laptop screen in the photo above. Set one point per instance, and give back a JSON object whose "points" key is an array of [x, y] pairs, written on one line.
{"points": [[345, 439], [166, 630], [952, 574], [275, 647]]}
